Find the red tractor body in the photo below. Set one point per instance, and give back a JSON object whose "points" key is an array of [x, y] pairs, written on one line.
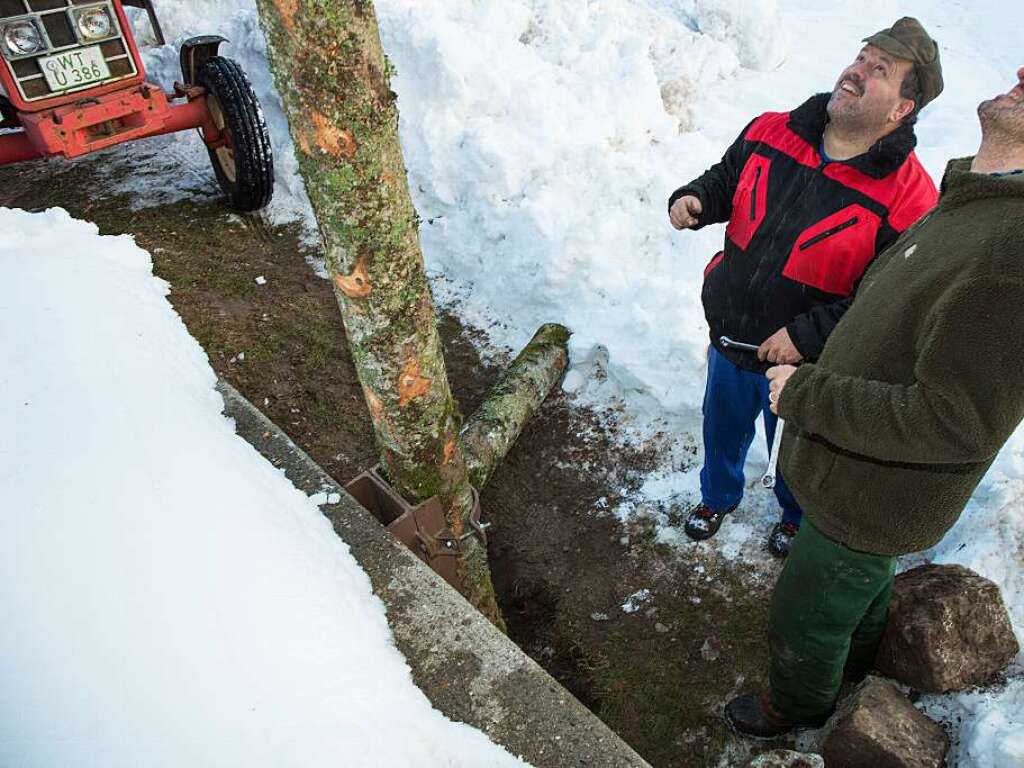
{"points": [[75, 83]]}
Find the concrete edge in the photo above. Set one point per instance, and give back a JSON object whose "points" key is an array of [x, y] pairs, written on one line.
{"points": [[468, 669]]}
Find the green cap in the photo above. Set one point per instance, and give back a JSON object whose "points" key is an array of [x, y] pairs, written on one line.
{"points": [[907, 39]]}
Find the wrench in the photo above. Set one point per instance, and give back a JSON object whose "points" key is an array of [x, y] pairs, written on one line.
{"points": [[725, 341], [768, 478]]}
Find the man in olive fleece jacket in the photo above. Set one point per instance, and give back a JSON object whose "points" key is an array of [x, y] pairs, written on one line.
{"points": [[891, 430]]}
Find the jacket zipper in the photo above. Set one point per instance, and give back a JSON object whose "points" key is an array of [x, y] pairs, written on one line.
{"points": [[753, 194], [828, 233]]}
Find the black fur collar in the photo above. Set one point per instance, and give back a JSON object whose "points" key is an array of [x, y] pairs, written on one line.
{"points": [[885, 156]]}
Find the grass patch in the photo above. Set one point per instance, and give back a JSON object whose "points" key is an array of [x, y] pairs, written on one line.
{"points": [[660, 680]]}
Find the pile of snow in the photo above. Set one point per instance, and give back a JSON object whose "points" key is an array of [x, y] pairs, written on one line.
{"points": [[542, 139], [992, 734], [168, 597]]}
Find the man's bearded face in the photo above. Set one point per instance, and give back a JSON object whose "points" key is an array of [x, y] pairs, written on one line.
{"points": [[1005, 113], [868, 91]]}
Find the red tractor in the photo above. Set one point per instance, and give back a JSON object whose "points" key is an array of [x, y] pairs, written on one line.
{"points": [[72, 82]]}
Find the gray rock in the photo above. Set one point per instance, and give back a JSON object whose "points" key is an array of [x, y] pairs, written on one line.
{"points": [[948, 630], [877, 726], [786, 758]]}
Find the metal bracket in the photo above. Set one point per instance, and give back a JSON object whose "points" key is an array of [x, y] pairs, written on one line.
{"points": [[190, 92], [153, 20], [421, 527], [446, 545]]}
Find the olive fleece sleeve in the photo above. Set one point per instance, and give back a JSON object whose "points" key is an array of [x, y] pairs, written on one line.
{"points": [[966, 400]]}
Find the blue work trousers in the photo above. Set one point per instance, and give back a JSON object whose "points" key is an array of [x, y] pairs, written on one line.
{"points": [[733, 399]]}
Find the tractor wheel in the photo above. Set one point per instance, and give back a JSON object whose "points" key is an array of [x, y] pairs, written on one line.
{"points": [[244, 164]]}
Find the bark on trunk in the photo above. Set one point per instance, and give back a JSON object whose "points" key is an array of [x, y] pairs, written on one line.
{"points": [[490, 432], [330, 69]]}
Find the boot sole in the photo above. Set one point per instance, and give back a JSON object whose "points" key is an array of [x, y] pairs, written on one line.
{"points": [[789, 732]]}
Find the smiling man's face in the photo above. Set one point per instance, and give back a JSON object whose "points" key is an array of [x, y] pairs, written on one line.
{"points": [[867, 94], [1005, 113]]}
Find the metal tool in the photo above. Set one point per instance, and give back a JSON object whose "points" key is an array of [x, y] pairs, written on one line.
{"points": [[768, 478], [725, 341]]}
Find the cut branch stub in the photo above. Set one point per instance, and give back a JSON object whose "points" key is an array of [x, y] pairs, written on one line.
{"points": [[333, 140], [411, 384], [356, 284], [490, 432]]}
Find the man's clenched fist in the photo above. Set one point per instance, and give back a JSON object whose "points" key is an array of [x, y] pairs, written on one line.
{"points": [[779, 348], [684, 212]]}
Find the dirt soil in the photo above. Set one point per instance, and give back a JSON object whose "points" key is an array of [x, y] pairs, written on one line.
{"points": [[563, 566]]}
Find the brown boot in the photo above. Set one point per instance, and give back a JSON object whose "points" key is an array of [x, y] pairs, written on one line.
{"points": [[753, 716]]}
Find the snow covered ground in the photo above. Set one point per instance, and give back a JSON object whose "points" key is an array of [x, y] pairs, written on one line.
{"points": [[168, 597], [542, 138]]}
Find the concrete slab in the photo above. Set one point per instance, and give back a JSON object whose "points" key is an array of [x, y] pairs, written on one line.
{"points": [[468, 669]]}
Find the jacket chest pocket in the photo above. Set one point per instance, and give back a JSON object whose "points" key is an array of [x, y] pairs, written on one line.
{"points": [[750, 201], [832, 254]]}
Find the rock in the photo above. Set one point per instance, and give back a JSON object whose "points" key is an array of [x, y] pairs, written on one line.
{"points": [[948, 630], [878, 726], [711, 649], [786, 758], [660, 628]]}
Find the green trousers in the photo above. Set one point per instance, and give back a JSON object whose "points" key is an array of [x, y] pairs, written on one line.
{"points": [[828, 614]]}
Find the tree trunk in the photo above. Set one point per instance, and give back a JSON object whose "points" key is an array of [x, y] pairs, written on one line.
{"points": [[332, 74], [491, 431], [333, 78]]}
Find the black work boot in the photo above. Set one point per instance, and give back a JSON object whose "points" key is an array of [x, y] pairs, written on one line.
{"points": [[703, 522], [781, 538], [752, 716]]}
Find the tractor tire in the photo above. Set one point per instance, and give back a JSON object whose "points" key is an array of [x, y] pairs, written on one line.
{"points": [[244, 166]]}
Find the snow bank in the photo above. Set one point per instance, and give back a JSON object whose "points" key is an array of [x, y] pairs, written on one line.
{"points": [[542, 139], [992, 734], [168, 598]]}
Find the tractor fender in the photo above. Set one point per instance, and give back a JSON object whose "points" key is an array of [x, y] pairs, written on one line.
{"points": [[195, 52]]}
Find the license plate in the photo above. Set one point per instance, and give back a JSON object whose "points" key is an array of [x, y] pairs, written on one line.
{"points": [[74, 68]]}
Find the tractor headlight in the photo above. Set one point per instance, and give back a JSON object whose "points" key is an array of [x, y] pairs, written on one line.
{"points": [[94, 23], [22, 38]]}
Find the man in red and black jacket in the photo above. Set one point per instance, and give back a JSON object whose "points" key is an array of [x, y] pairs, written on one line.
{"points": [[810, 197]]}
